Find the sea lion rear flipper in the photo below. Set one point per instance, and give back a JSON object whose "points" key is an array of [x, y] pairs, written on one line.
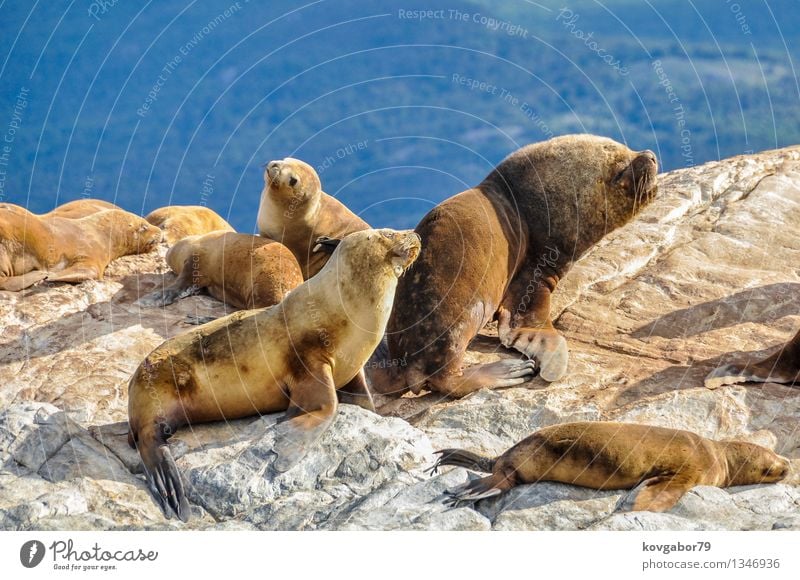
{"points": [[477, 489], [75, 274], [462, 458], [311, 411], [655, 494], [356, 392], [17, 283], [163, 476]]}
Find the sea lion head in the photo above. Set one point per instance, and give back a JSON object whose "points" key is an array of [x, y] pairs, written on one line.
{"points": [[132, 234], [375, 252], [749, 463], [291, 181]]}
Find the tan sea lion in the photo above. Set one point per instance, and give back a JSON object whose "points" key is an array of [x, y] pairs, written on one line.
{"points": [[61, 249], [293, 356], [783, 366], [241, 270], [80, 208], [296, 212], [497, 251], [660, 465], [179, 221]]}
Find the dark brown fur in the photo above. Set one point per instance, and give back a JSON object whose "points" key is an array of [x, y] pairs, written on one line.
{"points": [[497, 251]]}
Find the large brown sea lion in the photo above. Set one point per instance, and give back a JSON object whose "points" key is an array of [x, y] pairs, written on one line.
{"points": [[497, 251], [296, 212], [59, 249], [782, 366], [179, 221], [241, 270], [293, 356], [660, 465]]}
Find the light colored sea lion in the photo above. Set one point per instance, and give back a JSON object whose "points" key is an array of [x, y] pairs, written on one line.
{"points": [[658, 464], [241, 270], [61, 249], [179, 221], [80, 208], [296, 212], [783, 366], [295, 356], [497, 251]]}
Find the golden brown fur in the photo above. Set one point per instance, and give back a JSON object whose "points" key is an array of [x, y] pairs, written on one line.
{"points": [[296, 212], [80, 208], [660, 465], [241, 270], [59, 249], [295, 356], [179, 221], [497, 251]]}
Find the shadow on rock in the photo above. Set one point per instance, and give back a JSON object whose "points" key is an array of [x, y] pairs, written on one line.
{"points": [[758, 305]]}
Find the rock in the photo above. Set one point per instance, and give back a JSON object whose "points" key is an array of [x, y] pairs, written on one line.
{"points": [[706, 274]]}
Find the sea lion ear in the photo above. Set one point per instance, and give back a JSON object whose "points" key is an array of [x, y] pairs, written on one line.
{"points": [[324, 243]]}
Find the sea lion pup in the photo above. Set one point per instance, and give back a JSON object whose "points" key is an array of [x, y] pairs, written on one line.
{"points": [[295, 211], [293, 356], [59, 249], [241, 270], [179, 221], [658, 464], [783, 366], [497, 251], [80, 208]]}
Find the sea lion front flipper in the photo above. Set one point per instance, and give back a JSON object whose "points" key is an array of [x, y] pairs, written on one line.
{"points": [[183, 287], [356, 392], [326, 244], [655, 494], [727, 375], [531, 332], [311, 411]]}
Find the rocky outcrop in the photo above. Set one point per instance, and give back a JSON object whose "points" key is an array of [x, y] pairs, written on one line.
{"points": [[708, 272]]}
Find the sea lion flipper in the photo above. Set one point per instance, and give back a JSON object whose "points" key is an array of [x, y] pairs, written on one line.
{"points": [[17, 283], [325, 243], [655, 494], [730, 374], [165, 481], [356, 392], [544, 345], [75, 273], [311, 411]]}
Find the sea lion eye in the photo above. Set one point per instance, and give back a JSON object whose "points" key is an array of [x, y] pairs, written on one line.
{"points": [[292, 181]]}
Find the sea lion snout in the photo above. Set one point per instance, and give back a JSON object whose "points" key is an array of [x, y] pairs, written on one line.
{"points": [[778, 471], [406, 247]]}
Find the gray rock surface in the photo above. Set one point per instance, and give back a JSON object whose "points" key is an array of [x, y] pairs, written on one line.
{"points": [[707, 273]]}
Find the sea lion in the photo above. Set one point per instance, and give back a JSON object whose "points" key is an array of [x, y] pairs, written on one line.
{"points": [[80, 208], [60, 249], [179, 221], [292, 356], [660, 465], [241, 270], [783, 366], [497, 251], [295, 211]]}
